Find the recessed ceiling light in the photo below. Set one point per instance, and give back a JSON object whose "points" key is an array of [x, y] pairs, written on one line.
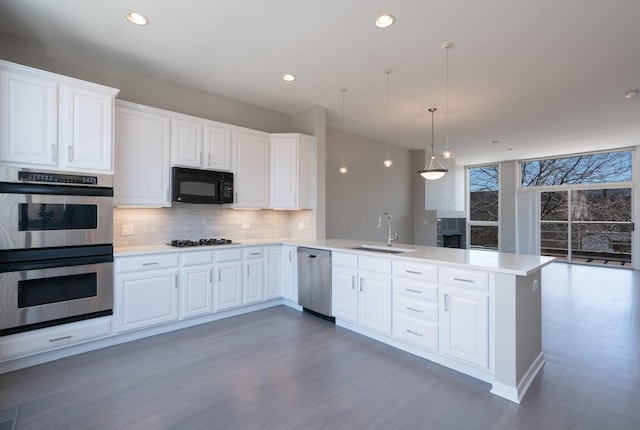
{"points": [[288, 77], [136, 18], [385, 20], [632, 94]]}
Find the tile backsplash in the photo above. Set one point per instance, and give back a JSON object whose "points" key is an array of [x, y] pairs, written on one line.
{"points": [[161, 225]]}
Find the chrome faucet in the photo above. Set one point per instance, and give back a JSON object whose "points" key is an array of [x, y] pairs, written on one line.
{"points": [[390, 238]]}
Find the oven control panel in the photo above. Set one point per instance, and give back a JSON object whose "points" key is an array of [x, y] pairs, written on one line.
{"points": [[57, 178]]}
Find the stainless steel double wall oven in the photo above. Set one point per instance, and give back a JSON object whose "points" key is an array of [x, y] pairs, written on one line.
{"points": [[56, 248]]}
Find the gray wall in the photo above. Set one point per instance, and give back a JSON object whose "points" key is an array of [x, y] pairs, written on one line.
{"points": [[425, 223], [356, 199]]}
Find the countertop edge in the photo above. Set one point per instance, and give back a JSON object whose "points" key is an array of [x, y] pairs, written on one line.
{"points": [[419, 254]]}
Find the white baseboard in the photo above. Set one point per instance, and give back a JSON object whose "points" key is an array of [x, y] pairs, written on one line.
{"points": [[516, 394]]}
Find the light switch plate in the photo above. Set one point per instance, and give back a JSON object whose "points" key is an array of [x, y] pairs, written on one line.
{"points": [[127, 229]]}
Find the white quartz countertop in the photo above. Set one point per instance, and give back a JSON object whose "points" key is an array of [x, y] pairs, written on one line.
{"points": [[493, 261]]}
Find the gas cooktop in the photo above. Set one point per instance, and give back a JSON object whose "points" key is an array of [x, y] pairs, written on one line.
{"points": [[201, 242]]}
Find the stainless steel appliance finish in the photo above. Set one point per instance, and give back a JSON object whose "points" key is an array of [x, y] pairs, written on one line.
{"points": [[51, 209], [314, 281], [51, 291], [56, 248]]}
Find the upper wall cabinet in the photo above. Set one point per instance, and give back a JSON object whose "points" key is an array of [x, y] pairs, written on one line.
{"points": [[447, 195], [293, 170], [142, 156], [54, 121], [199, 143], [251, 169]]}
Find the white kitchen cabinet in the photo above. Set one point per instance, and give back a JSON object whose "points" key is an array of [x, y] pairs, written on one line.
{"points": [[186, 142], [292, 171], [50, 338], [289, 273], [253, 282], [199, 143], [55, 121], [229, 290], [464, 326], [217, 147], [361, 288], [272, 272], [196, 284], [142, 156], [146, 299], [415, 304], [251, 169], [344, 286]]}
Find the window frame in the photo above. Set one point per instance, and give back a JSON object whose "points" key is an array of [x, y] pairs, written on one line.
{"points": [[471, 223]]}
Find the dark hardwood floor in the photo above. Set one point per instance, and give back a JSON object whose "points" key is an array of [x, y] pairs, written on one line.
{"points": [[280, 369]]}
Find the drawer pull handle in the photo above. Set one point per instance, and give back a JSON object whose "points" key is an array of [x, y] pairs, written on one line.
{"points": [[414, 310], [415, 333], [60, 338], [254, 253], [413, 272], [464, 280], [150, 264], [414, 291]]}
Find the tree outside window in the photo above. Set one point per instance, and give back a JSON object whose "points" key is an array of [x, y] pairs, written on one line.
{"points": [[484, 182]]}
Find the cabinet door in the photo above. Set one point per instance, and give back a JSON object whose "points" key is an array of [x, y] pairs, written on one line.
{"points": [[217, 148], [374, 302], [272, 273], [142, 159], [28, 120], [284, 173], [465, 326], [229, 287], [289, 274], [86, 130], [253, 281], [251, 169], [147, 299], [345, 293], [186, 143], [196, 291]]}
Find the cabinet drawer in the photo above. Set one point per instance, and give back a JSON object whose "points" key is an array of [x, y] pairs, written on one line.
{"points": [[53, 337], [228, 255], [345, 260], [416, 290], [253, 252], [416, 308], [375, 265], [419, 272], [415, 331], [196, 258], [466, 279], [146, 262]]}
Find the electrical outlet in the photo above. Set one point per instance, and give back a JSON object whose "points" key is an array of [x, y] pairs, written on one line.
{"points": [[246, 226], [300, 226], [127, 229], [534, 284]]}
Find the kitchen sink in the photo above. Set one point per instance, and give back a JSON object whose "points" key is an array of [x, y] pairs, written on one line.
{"points": [[383, 249]]}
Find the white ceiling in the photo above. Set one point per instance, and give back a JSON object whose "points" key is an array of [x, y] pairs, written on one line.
{"points": [[543, 77]]}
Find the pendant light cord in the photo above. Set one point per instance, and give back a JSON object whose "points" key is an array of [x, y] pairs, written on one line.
{"points": [[388, 71]]}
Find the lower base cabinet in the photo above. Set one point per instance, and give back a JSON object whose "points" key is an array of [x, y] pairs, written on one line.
{"points": [[362, 291], [465, 326], [147, 299], [50, 338]]}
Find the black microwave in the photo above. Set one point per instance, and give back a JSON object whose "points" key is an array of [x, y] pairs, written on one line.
{"points": [[201, 186]]}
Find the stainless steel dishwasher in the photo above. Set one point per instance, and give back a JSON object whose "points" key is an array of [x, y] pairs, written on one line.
{"points": [[314, 281]]}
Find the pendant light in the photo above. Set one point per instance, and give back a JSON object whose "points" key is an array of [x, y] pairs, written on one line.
{"points": [[447, 153], [435, 169], [343, 167], [388, 162]]}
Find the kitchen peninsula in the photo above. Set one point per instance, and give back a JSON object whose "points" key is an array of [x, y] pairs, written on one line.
{"points": [[474, 311]]}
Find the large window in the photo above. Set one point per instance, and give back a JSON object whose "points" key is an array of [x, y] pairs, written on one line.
{"points": [[484, 207], [582, 216]]}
